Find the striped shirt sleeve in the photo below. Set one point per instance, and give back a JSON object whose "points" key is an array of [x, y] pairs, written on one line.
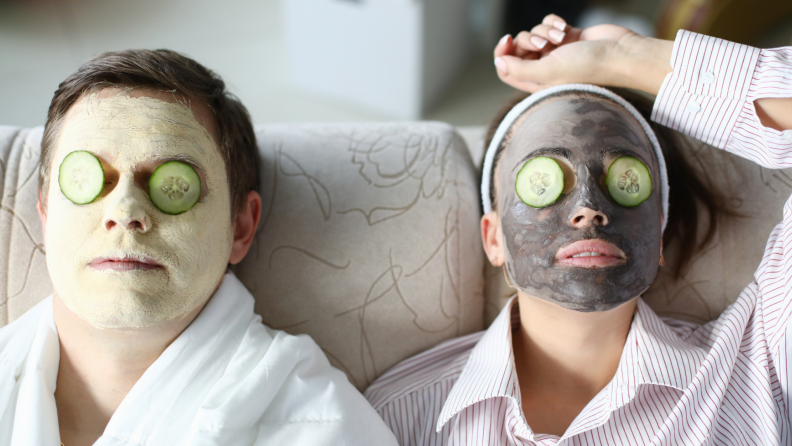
{"points": [[710, 96]]}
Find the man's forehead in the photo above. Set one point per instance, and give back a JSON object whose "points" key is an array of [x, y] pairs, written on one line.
{"points": [[140, 128], [120, 103]]}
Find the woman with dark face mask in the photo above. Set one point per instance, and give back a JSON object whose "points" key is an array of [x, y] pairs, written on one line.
{"points": [[578, 189]]}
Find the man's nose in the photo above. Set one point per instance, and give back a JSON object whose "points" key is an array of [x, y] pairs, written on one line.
{"points": [[126, 209]]}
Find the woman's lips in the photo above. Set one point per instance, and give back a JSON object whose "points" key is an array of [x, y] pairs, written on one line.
{"points": [[593, 253], [124, 264]]}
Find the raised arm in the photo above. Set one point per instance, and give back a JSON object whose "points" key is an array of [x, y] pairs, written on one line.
{"points": [[732, 96], [742, 96]]}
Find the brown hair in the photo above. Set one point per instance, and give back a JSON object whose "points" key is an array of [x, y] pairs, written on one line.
{"points": [[167, 71], [689, 194]]}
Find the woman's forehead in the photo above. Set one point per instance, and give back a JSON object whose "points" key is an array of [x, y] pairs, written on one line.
{"points": [[578, 124]]}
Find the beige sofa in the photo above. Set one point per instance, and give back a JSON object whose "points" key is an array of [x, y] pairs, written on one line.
{"points": [[369, 238]]}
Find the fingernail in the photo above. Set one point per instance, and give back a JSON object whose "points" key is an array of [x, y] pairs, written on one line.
{"points": [[559, 25], [501, 65], [538, 42], [556, 35], [504, 39]]}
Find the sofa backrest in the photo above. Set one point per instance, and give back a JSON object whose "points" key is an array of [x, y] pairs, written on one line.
{"points": [[368, 240]]}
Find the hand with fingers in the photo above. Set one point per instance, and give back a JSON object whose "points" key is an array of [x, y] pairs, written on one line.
{"points": [[554, 53]]}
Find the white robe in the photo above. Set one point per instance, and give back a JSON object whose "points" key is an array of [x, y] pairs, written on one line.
{"points": [[226, 380]]}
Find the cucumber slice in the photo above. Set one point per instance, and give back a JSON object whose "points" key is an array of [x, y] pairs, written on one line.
{"points": [[81, 177], [629, 181], [174, 187], [540, 182]]}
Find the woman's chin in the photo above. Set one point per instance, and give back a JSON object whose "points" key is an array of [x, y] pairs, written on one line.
{"points": [[584, 302]]}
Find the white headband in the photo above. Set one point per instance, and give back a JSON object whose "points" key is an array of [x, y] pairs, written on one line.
{"points": [[518, 110]]}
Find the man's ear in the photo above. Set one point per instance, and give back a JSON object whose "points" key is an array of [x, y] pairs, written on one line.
{"points": [[43, 217], [492, 237], [245, 224]]}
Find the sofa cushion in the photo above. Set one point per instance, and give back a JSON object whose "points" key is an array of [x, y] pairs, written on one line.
{"points": [[23, 268], [368, 239]]}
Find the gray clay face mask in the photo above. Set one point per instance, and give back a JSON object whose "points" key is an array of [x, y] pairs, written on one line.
{"points": [[586, 135]]}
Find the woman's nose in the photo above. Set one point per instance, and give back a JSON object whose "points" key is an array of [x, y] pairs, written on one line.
{"points": [[126, 209], [589, 202], [586, 216]]}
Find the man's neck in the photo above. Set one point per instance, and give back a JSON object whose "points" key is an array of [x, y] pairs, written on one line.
{"points": [[98, 367], [566, 356]]}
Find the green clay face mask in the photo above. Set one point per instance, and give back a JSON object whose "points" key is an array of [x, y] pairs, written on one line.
{"points": [[547, 254], [118, 261]]}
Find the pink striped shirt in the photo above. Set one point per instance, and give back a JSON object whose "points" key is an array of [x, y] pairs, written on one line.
{"points": [[677, 383]]}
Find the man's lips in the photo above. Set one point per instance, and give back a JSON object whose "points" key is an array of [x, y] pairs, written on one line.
{"points": [[594, 253], [125, 263]]}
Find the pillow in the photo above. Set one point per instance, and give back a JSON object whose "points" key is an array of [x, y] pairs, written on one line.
{"points": [[23, 268], [368, 239]]}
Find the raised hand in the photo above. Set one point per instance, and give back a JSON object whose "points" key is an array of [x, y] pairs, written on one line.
{"points": [[554, 53]]}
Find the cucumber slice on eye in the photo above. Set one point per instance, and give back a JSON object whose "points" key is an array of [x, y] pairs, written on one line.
{"points": [[540, 182], [174, 187], [629, 181], [81, 177]]}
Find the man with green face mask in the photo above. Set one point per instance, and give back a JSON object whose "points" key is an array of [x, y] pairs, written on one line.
{"points": [[147, 192]]}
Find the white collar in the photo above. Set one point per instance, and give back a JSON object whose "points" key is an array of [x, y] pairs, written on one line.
{"points": [[490, 370]]}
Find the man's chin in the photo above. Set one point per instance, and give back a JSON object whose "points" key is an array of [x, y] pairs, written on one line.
{"points": [[129, 322], [128, 309]]}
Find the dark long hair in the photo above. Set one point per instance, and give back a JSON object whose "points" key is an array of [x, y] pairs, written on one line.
{"points": [[692, 198]]}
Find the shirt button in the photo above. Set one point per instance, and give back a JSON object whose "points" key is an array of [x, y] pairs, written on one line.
{"points": [[787, 134], [708, 77], [694, 107]]}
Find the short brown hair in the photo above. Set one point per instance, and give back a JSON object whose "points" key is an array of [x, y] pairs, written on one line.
{"points": [[691, 198], [167, 71]]}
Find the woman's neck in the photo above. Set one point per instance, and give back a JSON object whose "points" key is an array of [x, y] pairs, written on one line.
{"points": [[98, 367], [564, 358]]}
